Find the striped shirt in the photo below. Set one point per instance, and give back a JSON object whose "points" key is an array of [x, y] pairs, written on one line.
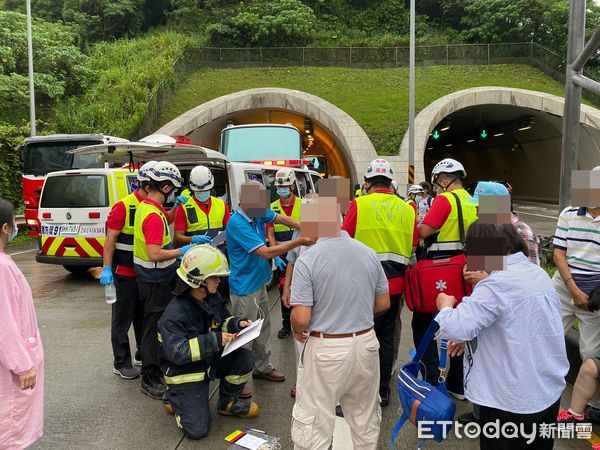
{"points": [[578, 233]]}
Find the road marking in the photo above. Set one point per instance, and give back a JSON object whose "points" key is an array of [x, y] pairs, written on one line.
{"points": [[537, 215], [342, 439], [24, 251]]}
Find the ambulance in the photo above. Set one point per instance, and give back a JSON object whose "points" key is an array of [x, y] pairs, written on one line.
{"points": [[74, 206]]}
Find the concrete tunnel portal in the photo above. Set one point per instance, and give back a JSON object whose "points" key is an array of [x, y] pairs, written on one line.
{"points": [[498, 133], [336, 135]]}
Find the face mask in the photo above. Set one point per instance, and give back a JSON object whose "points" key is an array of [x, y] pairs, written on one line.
{"points": [[284, 192], [13, 233], [417, 198], [202, 196], [171, 197]]}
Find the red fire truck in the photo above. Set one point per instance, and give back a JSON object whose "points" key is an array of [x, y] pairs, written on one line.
{"points": [[43, 154]]}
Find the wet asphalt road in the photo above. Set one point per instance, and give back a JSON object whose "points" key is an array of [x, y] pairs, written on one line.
{"points": [[89, 407]]}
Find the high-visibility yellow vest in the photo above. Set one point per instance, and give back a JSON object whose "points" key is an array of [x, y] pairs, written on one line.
{"points": [[357, 193], [151, 271], [448, 237], [283, 232], [386, 224], [124, 245], [198, 222]]}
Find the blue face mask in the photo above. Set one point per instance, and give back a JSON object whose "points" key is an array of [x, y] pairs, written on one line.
{"points": [[13, 233], [284, 192], [171, 197], [202, 196]]}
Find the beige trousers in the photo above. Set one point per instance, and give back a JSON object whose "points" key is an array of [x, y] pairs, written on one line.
{"points": [[255, 306], [341, 371]]}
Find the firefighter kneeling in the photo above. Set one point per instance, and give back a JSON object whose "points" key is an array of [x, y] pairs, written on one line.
{"points": [[192, 331]]}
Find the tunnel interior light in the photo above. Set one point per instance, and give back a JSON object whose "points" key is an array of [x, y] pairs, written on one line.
{"points": [[470, 140], [435, 135], [499, 134], [445, 124], [429, 148], [448, 145]]}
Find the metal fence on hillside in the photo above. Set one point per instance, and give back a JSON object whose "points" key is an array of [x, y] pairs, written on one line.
{"points": [[528, 53]]}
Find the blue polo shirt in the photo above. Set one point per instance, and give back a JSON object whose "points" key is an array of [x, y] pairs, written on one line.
{"points": [[249, 272]]}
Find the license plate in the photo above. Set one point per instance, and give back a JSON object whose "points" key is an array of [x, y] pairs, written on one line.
{"points": [[69, 229]]}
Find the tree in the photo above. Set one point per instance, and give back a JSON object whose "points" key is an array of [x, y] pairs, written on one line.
{"points": [[266, 23], [58, 63]]}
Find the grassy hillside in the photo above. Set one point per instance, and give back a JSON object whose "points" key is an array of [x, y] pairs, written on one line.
{"points": [[377, 99]]}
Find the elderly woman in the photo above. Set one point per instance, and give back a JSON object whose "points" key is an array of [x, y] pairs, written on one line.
{"points": [[510, 329], [21, 352]]}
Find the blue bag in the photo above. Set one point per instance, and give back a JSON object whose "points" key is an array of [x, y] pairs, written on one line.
{"points": [[422, 401]]}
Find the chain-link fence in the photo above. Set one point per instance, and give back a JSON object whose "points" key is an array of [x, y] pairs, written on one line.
{"points": [[528, 53]]}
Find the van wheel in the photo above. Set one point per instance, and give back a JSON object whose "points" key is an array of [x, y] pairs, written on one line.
{"points": [[77, 270]]}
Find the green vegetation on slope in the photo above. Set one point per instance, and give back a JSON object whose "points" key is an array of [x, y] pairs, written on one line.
{"points": [[377, 99]]}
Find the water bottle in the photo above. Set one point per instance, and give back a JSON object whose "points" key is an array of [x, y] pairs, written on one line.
{"points": [[110, 293]]}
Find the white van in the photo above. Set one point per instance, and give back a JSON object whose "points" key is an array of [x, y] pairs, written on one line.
{"points": [[229, 176], [74, 206]]}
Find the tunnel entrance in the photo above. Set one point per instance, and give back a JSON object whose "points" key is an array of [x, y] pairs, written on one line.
{"points": [[329, 134], [503, 134]]}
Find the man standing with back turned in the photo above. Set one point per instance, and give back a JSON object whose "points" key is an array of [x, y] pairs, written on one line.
{"points": [[339, 362]]}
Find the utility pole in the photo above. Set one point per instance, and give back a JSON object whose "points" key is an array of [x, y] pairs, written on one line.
{"points": [[30, 64], [411, 97], [577, 56]]}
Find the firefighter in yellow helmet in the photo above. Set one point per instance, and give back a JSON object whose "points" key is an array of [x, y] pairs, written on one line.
{"points": [[192, 333]]}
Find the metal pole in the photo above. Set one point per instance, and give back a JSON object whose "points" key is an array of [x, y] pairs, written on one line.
{"points": [[570, 137], [411, 98], [589, 49], [30, 63]]}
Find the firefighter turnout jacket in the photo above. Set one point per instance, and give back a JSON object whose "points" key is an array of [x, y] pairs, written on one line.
{"points": [[189, 333]]}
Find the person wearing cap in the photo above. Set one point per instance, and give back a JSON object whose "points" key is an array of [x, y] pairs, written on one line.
{"points": [[118, 252], [440, 228], [386, 224], [192, 332], [203, 216], [155, 262], [289, 205]]}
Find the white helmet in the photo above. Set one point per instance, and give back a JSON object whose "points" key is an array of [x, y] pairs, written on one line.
{"points": [[143, 172], [201, 179], [415, 189], [165, 171], [380, 168], [285, 177], [448, 165], [395, 185]]}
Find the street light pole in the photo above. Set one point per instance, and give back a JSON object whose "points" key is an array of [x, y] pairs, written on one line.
{"points": [[411, 97], [30, 63]]}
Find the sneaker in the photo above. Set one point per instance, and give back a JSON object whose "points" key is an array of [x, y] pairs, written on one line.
{"points": [[593, 415], [128, 373], [284, 332], [467, 418], [137, 359], [240, 409], [565, 416], [152, 387]]}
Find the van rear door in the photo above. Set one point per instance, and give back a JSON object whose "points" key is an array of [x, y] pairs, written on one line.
{"points": [[73, 210]]}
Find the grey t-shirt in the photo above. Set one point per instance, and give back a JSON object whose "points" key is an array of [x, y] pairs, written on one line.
{"points": [[339, 278], [295, 253]]}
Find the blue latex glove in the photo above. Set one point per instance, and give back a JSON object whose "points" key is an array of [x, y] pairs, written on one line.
{"points": [[106, 277], [185, 248], [201, 239], [280, 263], [181, 200]]}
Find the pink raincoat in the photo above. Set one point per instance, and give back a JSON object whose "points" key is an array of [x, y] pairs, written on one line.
{"points": [[21, 412]]}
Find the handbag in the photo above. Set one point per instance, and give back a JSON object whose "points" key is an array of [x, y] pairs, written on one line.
{"points": [[420, 400], [429, 277]]}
